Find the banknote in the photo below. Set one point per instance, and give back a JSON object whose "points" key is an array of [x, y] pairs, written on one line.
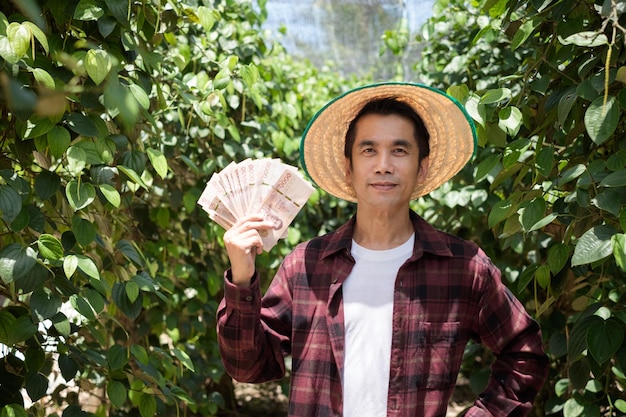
{"points": [[282, 203], [265, 186]]}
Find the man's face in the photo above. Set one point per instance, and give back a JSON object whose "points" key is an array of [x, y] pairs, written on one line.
{"points": [[385, 161]]}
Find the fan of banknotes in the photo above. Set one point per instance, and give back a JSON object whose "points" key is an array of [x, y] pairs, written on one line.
{"points": [[268, 187]]}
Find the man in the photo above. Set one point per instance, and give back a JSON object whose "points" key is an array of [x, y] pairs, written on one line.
{"points": [[376, 315]]}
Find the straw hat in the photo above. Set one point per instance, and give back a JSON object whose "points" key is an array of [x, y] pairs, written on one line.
{"points": [[451, 130]]}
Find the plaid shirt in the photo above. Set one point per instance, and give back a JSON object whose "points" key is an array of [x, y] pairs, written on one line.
{"points": [[447, 293]]}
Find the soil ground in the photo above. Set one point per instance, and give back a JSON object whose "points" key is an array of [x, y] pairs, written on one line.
{"points": [[268, 400]]}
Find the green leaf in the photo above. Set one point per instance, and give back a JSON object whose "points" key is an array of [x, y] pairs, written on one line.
{"points": [[88, 267], [117, 393], [88, 10], [7, 322], [571, 174], [134, 160], [572, 408], [23, 329], [215, 397], [10, 203], [68, 367], [532, 212], [545, 160], [98, 64], [50, 247], [586, 39], [558, 255], [62, 324], [59, 140], [249, 74], [542, 275], [158, 160], [83, 125], [80, 194], [44, 303], [593, 245], [132, 291], [95, 299], [561, 387], [16, 261], [117, 357], [82, 306], [140, 353], [500, 211], [523, 32], [147, 405], [614, 179], [604, 339], [111, 194], [35, 279], [132, 252], [118, 99], [120, 298], [608, 200], [602, 119], [184, 359], [510, 120], [19, 38], [35, 31], [13, 410], [21, 221], [577, 342], [621, 405], [140, 95], [496, 96], [565, 104], [84, 231], [133, 176], [619, 250], [70, 264], [36, 385], [544, 222], [44, 78], [7, 52], [617, 160], [47, 184], [37, 126], [486, 166]]}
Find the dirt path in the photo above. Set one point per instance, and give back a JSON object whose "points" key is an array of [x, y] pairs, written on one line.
{"points": [[268, 400]]}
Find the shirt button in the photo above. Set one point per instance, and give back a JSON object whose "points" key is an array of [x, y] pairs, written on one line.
{"points": [[248, 298]]}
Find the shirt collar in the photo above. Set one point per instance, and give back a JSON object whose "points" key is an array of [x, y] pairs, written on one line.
{"points": [[427, 239]]}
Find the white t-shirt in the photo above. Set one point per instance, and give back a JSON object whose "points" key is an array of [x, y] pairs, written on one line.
{"points": [[368, 309]]}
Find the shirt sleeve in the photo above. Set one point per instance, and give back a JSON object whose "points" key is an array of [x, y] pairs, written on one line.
{"points": [[253, 338], [521, 365]]}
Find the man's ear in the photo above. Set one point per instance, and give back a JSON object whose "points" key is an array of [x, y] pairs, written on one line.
{"points": [[422, 172], [348, 169]]}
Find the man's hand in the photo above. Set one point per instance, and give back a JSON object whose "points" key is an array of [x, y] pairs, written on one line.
{"points": [[243, 242]]}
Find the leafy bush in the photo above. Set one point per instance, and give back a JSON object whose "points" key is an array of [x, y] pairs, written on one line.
{"points": [[114, 114], [544, 81]]}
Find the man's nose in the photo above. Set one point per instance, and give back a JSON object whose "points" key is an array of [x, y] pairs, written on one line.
{"points": [[384, 163]]}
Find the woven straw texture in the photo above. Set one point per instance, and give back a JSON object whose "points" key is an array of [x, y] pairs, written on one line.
{"points": [[451, 130]]}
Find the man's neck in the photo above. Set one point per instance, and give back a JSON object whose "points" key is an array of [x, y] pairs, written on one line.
{"points": [[382, 230]]}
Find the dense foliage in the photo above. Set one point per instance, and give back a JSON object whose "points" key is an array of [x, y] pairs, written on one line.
{"points": [[114, 113], [545, 195]]}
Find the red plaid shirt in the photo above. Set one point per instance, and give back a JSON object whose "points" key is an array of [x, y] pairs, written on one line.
{"points": [[447, 293]]}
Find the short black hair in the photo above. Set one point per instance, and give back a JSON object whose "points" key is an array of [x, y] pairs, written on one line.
{"points": [[390, 106]]}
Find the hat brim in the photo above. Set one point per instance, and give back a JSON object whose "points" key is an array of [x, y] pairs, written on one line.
{"points": [[451, 130]]}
